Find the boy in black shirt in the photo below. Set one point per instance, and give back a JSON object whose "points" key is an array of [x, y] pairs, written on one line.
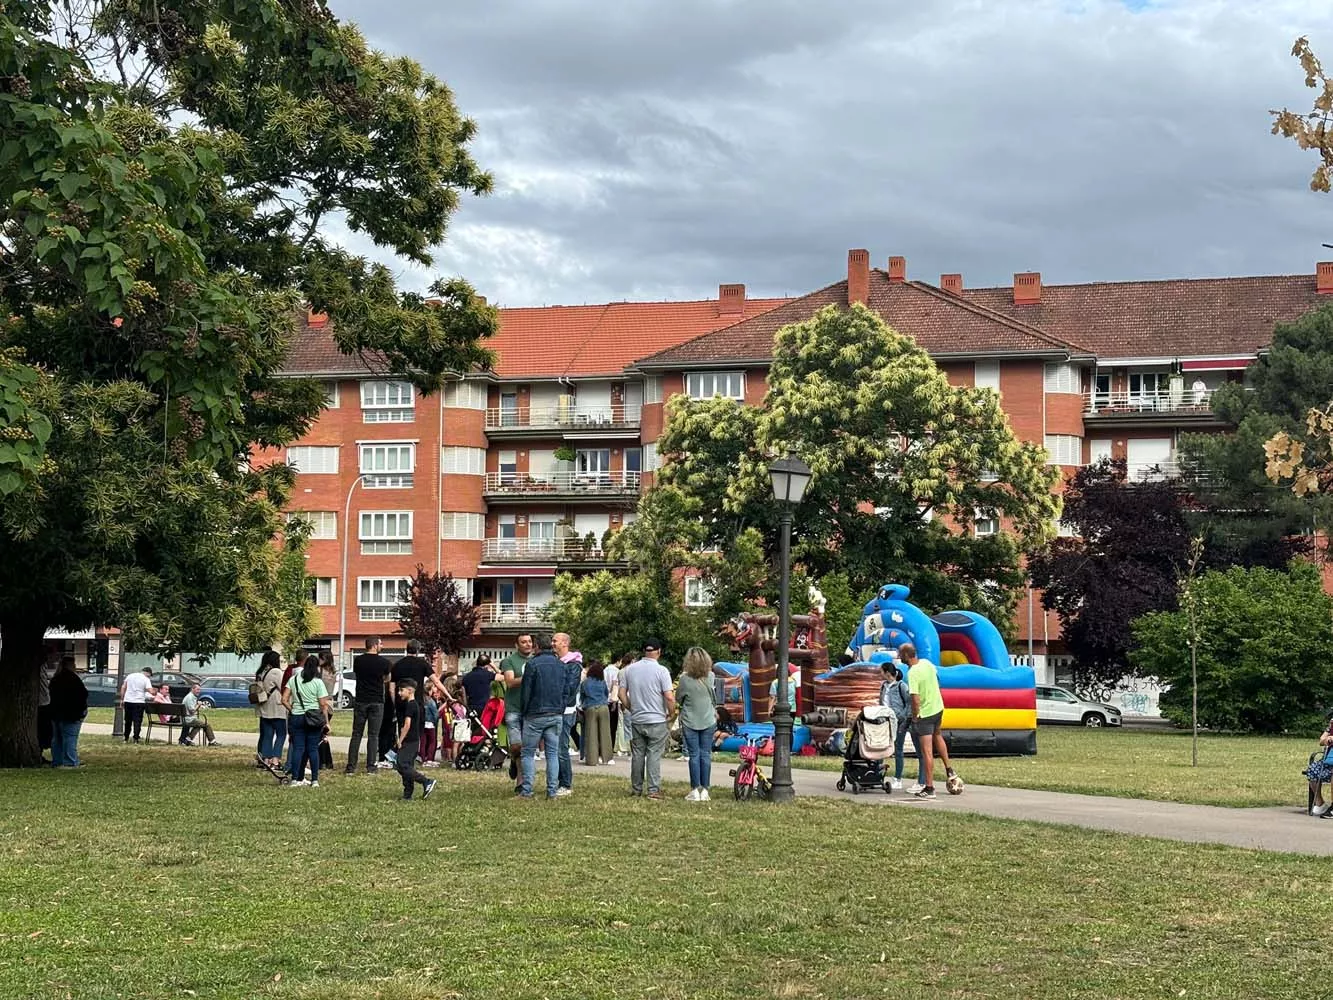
{"points": [[409, 740]]}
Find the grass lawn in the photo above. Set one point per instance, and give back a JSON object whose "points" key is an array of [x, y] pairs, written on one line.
{"points": [[233, 720], [156, 872], [1143, 764]]}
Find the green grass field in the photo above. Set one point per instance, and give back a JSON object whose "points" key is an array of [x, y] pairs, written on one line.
{"points": [[156, 872], [1144, 764], [233, 720]]}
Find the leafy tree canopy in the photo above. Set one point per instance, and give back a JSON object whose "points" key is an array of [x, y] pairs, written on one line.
{"points": [[1265, 655], [166, 174], [899, 456], [438, 613]]}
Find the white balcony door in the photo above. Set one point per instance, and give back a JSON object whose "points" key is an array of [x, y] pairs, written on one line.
{"points": [[508, 409], [541, 591], [1098, 449], [1144, 453], [597, 524], [594, 406], [507, 533], [593, 463], [508, 462], [541, 536], [633, 400]]}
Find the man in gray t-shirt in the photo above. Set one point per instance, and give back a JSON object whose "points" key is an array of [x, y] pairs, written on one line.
{"points": [[646, 694]]}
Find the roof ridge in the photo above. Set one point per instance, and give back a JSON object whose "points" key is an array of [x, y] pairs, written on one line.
{"points": [[995, 315], [1151, 281], [574, 354], [744, 319]]}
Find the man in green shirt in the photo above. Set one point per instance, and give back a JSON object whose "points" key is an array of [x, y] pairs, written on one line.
{"points": [[923, 683], [511, 672]]}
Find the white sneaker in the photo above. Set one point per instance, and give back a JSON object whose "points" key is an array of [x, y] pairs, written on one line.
{"points": [[560, 793], [298, 784], [314, 784], [1321, 810], [703, 795], [896, 784], [693, 796], [915, 787]]}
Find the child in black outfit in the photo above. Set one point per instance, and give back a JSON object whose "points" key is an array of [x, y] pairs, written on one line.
{"points": [[410, 717]]}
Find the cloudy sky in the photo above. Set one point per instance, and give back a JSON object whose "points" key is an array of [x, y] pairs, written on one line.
{"points": [[657, 148]]}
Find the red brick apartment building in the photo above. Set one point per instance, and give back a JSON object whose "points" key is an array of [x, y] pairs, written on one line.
{"points": [[510, 477]]}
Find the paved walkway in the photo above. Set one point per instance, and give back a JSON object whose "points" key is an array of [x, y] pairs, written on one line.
{"points": [[1284, 829]]}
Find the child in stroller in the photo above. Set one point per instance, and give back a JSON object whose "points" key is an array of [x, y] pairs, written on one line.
{"points": [[482, 750], [871, 742]]}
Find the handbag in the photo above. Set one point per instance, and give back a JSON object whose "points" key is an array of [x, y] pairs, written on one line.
{"points": [[314, 717]]}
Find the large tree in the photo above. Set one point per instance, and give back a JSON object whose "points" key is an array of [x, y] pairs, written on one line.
{"points": [[438, 612], [903, 463], [1131, 541], [167, 172], [1311, 129]]}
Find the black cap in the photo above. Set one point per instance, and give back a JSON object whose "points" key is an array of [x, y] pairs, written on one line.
{"points": [[652, 645]]}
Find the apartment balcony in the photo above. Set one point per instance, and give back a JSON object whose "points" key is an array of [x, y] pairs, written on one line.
{"points": [[512, 618], [569, 421], [524, 487], [1158, 408], [571, 550]]}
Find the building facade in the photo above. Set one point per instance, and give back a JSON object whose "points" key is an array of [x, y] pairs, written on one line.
{"points": [[510, 477]]}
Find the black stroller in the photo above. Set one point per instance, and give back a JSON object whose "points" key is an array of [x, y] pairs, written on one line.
{"points": [[873, 735], [481, 750]]}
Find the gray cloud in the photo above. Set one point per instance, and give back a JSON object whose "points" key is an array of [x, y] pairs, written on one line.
{"points": [[647, 149]]}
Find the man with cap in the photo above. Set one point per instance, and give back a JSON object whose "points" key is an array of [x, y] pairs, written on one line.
{"points": [[646, 694]]}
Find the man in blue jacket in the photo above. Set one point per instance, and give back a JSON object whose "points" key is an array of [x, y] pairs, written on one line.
{"points": [[542, 696]]}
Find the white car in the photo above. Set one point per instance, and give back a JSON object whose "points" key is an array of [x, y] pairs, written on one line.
{"points": [[346, 692], [1057, 706]]}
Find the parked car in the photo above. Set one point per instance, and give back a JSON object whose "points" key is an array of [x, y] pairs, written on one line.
{"points": [[1057, 706], [225, 692], [346, 693], [103, 690], [178, 683]]}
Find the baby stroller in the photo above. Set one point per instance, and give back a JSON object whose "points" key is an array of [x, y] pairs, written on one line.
{"points": [[481, 750], [872, 740]]}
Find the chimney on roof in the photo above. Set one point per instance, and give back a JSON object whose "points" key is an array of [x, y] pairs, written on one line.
{"points": [[897, 270], [1323, 277], [858, 277], [730, 300], [952, 283], [481, 300], [1027, 288], [315, 319]]}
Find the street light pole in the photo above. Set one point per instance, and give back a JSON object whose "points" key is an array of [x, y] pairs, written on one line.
{"points": [[790, 477], [342, 581], [782, 718]]}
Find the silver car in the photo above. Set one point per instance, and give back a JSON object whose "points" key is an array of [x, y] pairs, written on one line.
{"points": [[1057, 706]]}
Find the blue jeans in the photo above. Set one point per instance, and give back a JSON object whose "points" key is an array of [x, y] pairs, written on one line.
{"points": [[541, 730], [305, 747], [898, 747], [566, 766], [65, 743], [699, 745], [272, 735], [514, 728]]}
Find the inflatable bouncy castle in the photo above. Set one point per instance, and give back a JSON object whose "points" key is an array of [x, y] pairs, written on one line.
{"points": [[990, 707]]}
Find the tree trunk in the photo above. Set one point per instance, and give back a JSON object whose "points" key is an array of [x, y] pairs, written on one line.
{"points": [[22, 648]]}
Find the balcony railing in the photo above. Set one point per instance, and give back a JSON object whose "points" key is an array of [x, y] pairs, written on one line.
{"points": [[581, 483], [568, 549], [572, 417], [512, 614], [1155, 401]]}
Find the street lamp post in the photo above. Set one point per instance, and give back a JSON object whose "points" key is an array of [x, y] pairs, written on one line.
{"points": [[790, 477], [342, 581]]}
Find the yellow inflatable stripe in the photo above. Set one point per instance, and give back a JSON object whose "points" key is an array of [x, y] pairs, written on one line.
{"points": [[990, 718], [952, 658]]}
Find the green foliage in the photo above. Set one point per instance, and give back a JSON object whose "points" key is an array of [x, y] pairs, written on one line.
{"points": [[610, 614], [165, 171], [842, 613], [897, 453], [438, 613], [1265, 654]]}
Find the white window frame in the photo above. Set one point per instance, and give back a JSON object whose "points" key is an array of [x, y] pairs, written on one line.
{"points": [[385, 532], [986, 375], [332, 397], [461, 460], [652, 389], [466, 395], [378, 598], [1063, 377], [323, 523], [462, 525], [386, 401], [1064, 449], [710, 385], [325, 591], [385, 477], [985, 524], [699, 592], [650, 460], [296, 454]]}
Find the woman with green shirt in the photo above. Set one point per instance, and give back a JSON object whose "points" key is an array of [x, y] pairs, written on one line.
{"points": [[306, 693], [698, 718]]}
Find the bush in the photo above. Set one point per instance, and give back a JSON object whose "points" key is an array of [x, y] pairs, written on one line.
{"points": [[1265, 654]]}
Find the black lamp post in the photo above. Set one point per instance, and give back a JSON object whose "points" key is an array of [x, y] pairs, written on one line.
{"points": [[790, 478]]}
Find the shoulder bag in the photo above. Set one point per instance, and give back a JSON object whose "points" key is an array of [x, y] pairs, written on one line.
{"points": [[314, 717]]}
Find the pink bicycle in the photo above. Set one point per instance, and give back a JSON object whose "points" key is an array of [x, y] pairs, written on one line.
{"points": [[749, 780]]}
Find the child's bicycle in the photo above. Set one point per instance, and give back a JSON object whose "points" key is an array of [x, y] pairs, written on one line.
{"points": [[749, 780]]}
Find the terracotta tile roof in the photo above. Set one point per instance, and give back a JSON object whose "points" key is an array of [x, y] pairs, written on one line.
{"points": [[942, 323], [555, 341], [313, 352], [1194, 317]]}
